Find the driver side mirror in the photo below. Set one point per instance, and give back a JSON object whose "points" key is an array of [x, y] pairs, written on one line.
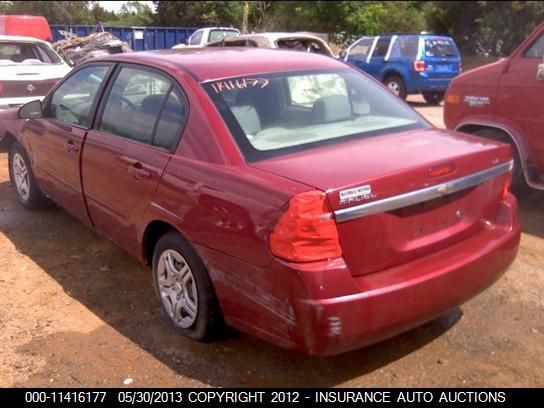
{"points": [[31, 110]]}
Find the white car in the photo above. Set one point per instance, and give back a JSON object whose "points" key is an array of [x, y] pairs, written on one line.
{"points": [[292, 41], [29, 68], [207, 35]]}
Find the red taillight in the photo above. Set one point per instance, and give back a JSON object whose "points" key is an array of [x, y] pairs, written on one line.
{"points": [[419, 66], [306, 231], [507, 183], [1, 88]]}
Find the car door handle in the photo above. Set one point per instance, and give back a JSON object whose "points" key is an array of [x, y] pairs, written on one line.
{"points": [[138, 172], [71, 147]]}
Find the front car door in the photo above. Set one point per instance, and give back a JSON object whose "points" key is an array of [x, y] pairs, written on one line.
{"points": [[138, 128], [360, 52], [55, 140], [522, 97]]}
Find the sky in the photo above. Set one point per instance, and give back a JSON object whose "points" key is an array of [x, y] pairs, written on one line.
{"points": [[116, 5]]}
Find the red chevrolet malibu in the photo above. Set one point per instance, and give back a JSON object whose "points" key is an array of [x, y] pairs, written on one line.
{"points": [[285, 194]]}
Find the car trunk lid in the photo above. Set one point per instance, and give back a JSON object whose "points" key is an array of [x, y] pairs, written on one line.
{"points": [[379, 171]]}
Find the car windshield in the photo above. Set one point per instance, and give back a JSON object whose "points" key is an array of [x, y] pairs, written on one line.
{"points": [[440, 47], [216, 35], [27, 53], [270, 115]]}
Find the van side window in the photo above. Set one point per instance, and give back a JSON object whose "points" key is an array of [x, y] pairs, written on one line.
{"points": [[536, 50]]}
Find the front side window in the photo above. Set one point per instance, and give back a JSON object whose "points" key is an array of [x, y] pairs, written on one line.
{"points": [[73, 99], [196, 38], [361, 49], [144, 106], [271, 115], [537, 49]]}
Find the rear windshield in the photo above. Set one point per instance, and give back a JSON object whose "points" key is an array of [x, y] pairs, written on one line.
{"points": [[216, 35], [271, 115], [440, 47], [27, 53]]}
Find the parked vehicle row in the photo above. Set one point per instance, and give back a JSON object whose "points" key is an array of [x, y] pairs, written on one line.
{"points": [[285, 194]]}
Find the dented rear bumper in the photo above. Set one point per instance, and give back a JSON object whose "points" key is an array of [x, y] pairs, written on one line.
{"points": [[392, 301]]}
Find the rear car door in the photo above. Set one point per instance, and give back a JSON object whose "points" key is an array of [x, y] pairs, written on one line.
{"points": [[522, 97], [377, 60], [139, 126], [56, 139]]}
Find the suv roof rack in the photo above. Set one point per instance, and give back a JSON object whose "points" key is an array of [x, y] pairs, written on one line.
{"points": [[405, 33]]}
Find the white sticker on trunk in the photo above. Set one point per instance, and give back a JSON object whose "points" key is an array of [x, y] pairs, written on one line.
{"points": [[356, 194]]}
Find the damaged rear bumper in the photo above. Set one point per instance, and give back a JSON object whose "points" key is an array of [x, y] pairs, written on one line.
{"points": [[392, 301]]}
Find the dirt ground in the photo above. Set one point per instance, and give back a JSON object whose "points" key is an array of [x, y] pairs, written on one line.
{"points": [[77, 311]]}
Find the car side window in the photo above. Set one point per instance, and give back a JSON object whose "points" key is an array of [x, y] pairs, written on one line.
{"points": [[144, 106], [361, 49], [171, 121], [537, 49], [381, 47], [72, 101], [405, 47], [195, 38]]}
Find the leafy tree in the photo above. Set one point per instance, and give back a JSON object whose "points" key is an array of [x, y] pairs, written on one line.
{"points": [[199, 13], [132, 13]]}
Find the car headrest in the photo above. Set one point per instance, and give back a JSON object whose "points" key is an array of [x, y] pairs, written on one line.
{"points": [[332, 108], [248, 119]]}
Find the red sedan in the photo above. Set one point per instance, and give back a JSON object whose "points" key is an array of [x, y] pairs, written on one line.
{"points": [[285, 194]]}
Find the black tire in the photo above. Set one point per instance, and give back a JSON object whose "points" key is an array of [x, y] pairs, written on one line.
{"points": [[519, 186], [433, 97], [30, 197], [396, 86], [208, 321]]}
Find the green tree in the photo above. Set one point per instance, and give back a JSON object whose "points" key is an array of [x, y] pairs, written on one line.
{"points": [[199, 13], [132, 13]]}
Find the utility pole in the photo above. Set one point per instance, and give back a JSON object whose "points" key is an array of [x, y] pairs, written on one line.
{"points": [[244, 19]]}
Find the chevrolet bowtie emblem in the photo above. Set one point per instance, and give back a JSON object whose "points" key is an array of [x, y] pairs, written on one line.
{"points": [[444, 189], [30, 88]]}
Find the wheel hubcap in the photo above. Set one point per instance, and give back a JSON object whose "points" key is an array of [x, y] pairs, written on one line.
{"points": [[21, 176], [177, 288], [394, 87]]}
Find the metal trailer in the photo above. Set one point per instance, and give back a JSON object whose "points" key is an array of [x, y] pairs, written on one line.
{"points": [[139, 38]]}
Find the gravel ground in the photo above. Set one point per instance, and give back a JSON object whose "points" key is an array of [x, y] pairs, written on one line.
{"points": [[77, 311]]}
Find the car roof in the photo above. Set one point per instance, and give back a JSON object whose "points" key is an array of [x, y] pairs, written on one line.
{"points": [[279, 35], [206, 64], [218, 28], [21, 38]]}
